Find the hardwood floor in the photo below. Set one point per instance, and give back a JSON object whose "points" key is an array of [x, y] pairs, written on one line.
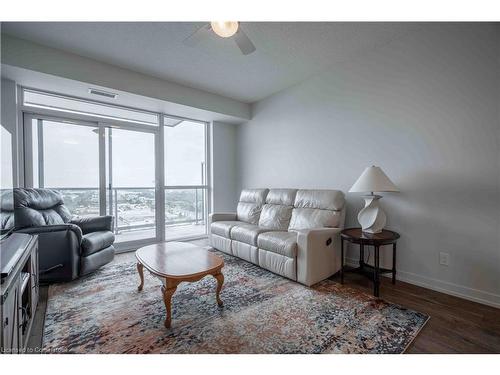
{"points": [[34, 345], [456, 325]]}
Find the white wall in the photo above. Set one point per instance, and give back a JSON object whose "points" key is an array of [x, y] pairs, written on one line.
{"points": [[224, 173], [426, 109]]}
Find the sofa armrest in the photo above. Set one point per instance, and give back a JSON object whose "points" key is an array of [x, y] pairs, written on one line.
{"points": [[318, 254], [222, 216], [91, 224]]}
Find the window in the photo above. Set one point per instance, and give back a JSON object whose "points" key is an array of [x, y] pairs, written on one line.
{"points": [[185, 177], [112, 167], [185, 154], [131, 183], [66, 158]]}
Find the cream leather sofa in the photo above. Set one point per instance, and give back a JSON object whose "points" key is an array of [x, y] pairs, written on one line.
{"points": [[294, 233]]}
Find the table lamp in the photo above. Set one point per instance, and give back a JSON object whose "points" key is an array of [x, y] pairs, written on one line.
{"points": [[372, 218]]}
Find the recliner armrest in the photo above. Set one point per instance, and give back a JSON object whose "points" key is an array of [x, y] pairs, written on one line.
{"points": [[54, 228], [96, 241], [222, 216], [314, 232], [91, 224], [318, 255]]}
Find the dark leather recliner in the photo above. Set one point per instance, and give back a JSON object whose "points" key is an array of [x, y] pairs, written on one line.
{"points": [[68, 247]]}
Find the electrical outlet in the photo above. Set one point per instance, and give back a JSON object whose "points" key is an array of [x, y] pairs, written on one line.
{"points": [[444, 259]]}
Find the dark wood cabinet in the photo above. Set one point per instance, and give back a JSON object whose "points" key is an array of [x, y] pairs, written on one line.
{"points": [[18, 290]]}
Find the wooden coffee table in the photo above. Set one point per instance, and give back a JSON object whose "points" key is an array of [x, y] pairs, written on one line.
{"points": [[175, 262]]}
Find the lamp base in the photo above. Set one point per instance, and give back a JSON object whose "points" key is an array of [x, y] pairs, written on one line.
{"points": [[372, 218]]}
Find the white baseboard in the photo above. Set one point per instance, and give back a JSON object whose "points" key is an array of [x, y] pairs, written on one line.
{"points": [[479, 296]]}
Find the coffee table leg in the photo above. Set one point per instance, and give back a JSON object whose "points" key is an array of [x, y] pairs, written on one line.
{"points": [[140, 269], [220, 280], [168, 292]]}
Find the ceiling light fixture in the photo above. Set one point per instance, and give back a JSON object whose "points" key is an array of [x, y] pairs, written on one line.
{"points": [[225, 29]]}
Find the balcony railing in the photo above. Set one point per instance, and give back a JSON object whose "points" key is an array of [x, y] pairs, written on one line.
{"points": [[134, 208]]}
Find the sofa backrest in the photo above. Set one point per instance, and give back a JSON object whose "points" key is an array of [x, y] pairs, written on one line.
{"points": [[250, 205], [38, 207], [6, 210], [277, 211], [318, 209]]}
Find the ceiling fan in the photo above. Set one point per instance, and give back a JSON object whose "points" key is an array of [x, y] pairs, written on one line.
{"points": [[224, 29]]}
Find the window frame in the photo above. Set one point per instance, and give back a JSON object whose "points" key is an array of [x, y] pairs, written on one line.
{"points": [[95, 115]]}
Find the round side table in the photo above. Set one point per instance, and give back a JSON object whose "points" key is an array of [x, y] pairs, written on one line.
{"points": [[357, 236]]}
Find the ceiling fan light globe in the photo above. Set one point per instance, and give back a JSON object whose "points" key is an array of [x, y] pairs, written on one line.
{"points": [[224, 29]]}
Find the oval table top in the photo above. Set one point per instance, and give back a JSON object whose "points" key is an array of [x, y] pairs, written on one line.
{"points": [[178, 260], [356, 235]]}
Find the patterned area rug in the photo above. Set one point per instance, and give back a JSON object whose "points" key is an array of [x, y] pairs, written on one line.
{"points": [[262, 313]]}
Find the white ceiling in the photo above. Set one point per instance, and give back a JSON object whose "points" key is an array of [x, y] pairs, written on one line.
{"points": [[287, 53]]}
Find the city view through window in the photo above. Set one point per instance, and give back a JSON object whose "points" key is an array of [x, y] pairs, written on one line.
{"points": [[134, 210]]}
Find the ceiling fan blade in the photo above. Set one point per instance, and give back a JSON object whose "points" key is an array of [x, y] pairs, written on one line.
{"points": [[243, 42], [197, 36]]}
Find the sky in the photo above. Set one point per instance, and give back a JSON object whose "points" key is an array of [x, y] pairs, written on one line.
{"points": [[71, 155]]}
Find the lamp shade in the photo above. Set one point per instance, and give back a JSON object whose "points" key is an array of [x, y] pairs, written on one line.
{"points": [[373, 179]]}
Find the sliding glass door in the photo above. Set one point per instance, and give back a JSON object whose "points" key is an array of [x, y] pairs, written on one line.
{"points": [[98, 169], [131, 183], [185, 178]]}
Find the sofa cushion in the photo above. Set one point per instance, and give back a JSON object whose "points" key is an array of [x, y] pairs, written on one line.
{"points": [[257, 196], [284, 197], [248, 212], [96, 241], [250, 205], [277, 211], [247, 233], [221, 243], [307, 218], [284, 243], [223, 228], [275, 216], [277, 263], [245, 251], [320, 199]]}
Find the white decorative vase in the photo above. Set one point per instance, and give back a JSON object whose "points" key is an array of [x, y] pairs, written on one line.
{"points": [[372, 218]]}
